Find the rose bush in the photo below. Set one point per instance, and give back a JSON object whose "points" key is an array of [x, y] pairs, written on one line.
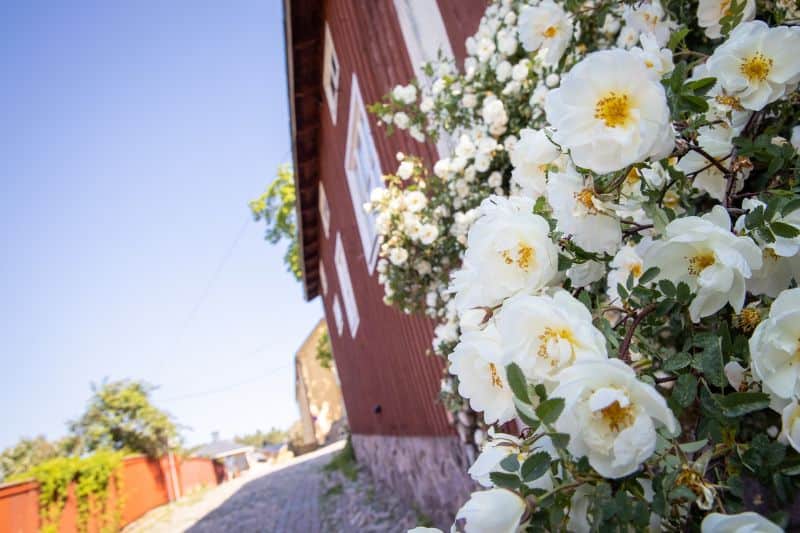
{"points": [[613, 250]]}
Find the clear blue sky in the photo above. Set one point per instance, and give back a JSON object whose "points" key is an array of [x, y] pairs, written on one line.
{"points": [[132, 136]]}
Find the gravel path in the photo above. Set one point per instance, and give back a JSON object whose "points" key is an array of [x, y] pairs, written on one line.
{"points": [[295, 497]]}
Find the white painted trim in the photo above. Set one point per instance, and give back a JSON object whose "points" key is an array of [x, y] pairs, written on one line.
{"points": [[323, 277], [324, 210], [346, 286], [359, 129], [336, 306], [331, 74]]}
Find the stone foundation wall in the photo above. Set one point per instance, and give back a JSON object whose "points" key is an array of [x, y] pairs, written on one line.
{"points": [[427, 472]]}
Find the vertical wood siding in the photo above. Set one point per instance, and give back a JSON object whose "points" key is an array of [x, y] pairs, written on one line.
{"points": [[387, 364]]}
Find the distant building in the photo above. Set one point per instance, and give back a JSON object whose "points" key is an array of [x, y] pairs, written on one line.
{"points": [[319, 397], [235, 457], [343, 55]]}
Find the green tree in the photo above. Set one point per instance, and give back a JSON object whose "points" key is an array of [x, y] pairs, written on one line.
{"points": [[277, 207], [259, 438], [120, 416], [324, 350], [26, 454]]}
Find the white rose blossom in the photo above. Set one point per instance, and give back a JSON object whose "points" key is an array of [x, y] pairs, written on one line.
{"points": [[545, 27], [775, 347], [757, 64], [748, 522], [531, 158], [546, 334], [609, 112], [712, 261], [611, 416], [493, 510], [711, 12]]}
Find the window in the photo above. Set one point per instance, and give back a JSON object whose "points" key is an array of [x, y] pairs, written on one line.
{"points": [[363, 171], [423, 31], [323, 277], [425, 35], [337, 314], [324, 211], [346, 286], [330, 73]]}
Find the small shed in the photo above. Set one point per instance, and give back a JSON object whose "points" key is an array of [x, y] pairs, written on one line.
{"points": [[235, 457]]}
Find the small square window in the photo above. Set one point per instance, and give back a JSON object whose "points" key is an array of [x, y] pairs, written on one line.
{"points": [[330, 74]]}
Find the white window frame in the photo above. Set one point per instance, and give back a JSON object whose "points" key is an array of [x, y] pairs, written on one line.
{"points": [[363, 170], [346, 286], [336, 306], [323, 278], [425, 34], [324, 210], [331, 74]]}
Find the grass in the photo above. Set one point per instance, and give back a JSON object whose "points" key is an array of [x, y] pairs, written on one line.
{"points": [[345, 462]]}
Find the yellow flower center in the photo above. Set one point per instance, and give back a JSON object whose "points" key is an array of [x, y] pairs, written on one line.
{"points": [[617, 417], [747, 320], [496, 381], [586, 198], [614, 109], [648, 63], [525, 256], [636, 270], [700, 262], [551, 334], [672, 200], [724, 7], [550, 32], [633, 176], [730, 101], [756, 67]]}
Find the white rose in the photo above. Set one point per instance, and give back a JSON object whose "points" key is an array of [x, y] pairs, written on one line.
{"points": [[552, 80], [648, 17], [405, 170], [790, 430], [507, 44], [401, 120], [495, 179], [580, 213], [498, 448], [494, 112], [775, 345], [428, 233], [509, 250], [519, 72], [716, 141], [503, 71], [610, 415], [546, 334], [485, 49], [469, 100], [610, 113], [703, 253], [531, 159], [657, 60], [547, 27], [628, 37], [757, 64], [398, 256], [795, 140], [441, 168], [415, 201], [627, 262], [494, 510], [465, 147], [586, 273], [478, 363], [710, 12], [748, 522], [426, 105]]}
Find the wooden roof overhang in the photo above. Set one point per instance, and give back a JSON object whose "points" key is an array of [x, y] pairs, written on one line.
{"points": [[304, 34]]}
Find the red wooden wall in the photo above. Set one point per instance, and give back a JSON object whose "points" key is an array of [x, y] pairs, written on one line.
{"points": [[386, 364], [144, 487]]}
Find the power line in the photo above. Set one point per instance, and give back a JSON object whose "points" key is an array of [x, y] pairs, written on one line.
{"points": [[228, 387]]}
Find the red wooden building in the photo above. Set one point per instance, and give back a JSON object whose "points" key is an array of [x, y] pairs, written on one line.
{"points": [[341, 56]]}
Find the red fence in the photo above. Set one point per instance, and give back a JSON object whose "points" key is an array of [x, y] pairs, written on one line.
{"points": [[146, 484]]}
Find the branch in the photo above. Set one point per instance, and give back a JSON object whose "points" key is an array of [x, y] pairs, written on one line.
{"points": [[626, 344], [714, 162]]}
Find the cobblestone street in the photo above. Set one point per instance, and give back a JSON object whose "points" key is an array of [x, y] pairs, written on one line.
{"points": [[296, 497]]}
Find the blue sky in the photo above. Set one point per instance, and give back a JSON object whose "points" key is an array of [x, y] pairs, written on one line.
{"points": [[133, 135]]}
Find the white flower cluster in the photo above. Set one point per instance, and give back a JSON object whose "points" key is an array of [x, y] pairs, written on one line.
{"points": [[608, 246]]}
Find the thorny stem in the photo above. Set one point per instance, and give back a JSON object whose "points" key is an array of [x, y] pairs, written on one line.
{"points": [[714, 162], [626, 343]]}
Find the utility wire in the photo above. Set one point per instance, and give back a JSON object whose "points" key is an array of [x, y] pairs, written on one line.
{"points": [[228, 387]]}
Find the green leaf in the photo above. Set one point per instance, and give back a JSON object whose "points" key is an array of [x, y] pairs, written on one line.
{"points": [[549, 410], [676, 362], [535, 466], [791, 207], [517, 382], [741, 403], [703, 84], [711, 364], [691, 447], [782, 229], [505, 480], [527, 419], [685, 390], [510, 463], [559, 440], [667, 287], [677, 38], [684, 293], [649, 275]]}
